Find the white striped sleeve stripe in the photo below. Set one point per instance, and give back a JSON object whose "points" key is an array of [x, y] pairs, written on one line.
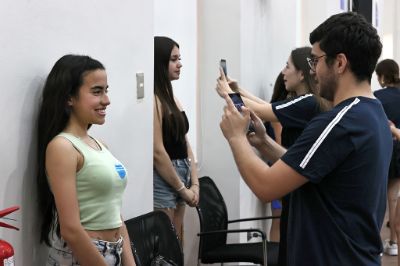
{"points": [[281, 106], [325, 133]]}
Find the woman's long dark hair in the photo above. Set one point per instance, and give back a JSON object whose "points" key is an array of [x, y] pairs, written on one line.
{"points": [[299, 59], [279, 92], [174, 123], [63, 82]]}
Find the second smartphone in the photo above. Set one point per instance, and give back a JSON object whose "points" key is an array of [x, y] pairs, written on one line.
{"points": [[238, 102]]}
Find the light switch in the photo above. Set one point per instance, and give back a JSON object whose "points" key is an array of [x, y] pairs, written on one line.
{"points": [[140, 85]]}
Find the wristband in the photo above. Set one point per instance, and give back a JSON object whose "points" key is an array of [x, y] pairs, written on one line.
{"points": [[181, 188]]}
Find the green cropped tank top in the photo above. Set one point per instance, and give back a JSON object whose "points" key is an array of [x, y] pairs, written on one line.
{"points": [[100, 184]]}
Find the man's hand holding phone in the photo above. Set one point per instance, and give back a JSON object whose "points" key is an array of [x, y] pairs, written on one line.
{"points": [[238, 102], [234, 124], [258, 137]]}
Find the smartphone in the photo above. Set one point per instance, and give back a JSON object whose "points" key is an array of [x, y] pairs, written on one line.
{"points": [[238, 102], [222, 64]]}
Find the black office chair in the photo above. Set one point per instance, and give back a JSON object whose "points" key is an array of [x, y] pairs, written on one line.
{"points": [[153, 237], [214, 222]]}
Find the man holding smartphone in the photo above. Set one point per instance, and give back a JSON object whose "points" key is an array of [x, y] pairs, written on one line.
{"points": [[238, 102], [335, 168]]}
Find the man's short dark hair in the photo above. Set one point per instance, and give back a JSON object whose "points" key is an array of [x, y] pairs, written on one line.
{"points": [[350, 33]]}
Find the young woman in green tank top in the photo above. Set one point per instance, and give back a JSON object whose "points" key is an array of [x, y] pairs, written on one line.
{"points": [[80, 183]]}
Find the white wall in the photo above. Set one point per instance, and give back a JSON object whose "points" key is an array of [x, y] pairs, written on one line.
{"points": [[177, 19], [314, 12], [218, 37], [34, 34], [389, 28], [262, 29], [396, 31]]}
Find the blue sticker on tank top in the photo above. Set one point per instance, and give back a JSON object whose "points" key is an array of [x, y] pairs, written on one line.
{"points": [[121, 170]]}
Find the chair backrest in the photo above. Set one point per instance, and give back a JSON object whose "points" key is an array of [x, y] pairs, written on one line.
{"points": [[213, 215], [153, 234]]}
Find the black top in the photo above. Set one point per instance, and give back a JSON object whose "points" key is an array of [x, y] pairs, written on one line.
{"points": [[176, 149], [335, 218], [294, 115]]}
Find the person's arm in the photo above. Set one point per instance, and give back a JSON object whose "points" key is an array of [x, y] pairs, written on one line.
{"points": [[266, 182], [277, 127], [266, 146], [248, 95], [61, 165], [395, 131], [162, 162], [193, 174], [234, 85], [127, 255], [195, 187], [262, 108]]}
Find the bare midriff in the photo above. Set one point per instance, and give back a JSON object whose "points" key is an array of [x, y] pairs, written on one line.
{"points": [[110, 235]]}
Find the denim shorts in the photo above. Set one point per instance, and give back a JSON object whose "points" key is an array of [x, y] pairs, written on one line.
{"points": [[61, 255], [164, 196]]}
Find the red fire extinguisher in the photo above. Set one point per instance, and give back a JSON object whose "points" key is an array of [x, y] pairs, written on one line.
{"points": [[6, 250]]}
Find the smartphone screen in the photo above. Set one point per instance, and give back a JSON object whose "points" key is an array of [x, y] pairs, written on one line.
{"points": [[238, 102], [222, 64]]}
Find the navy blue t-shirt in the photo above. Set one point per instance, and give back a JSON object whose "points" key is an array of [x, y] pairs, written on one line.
{"points": [[294, 115], [390, 99], [335, 218]]}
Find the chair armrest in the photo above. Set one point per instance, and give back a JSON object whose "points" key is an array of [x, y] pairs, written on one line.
{"points": [[253, 219], [234, 231]]}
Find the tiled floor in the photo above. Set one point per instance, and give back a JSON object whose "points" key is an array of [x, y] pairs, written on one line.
{"points": [[387, 260]]}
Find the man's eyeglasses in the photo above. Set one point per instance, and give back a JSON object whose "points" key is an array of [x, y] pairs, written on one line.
{"points": [[312, 62]]}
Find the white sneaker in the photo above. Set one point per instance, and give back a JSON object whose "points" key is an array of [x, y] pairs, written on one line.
{"points": [[390, 248]]}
